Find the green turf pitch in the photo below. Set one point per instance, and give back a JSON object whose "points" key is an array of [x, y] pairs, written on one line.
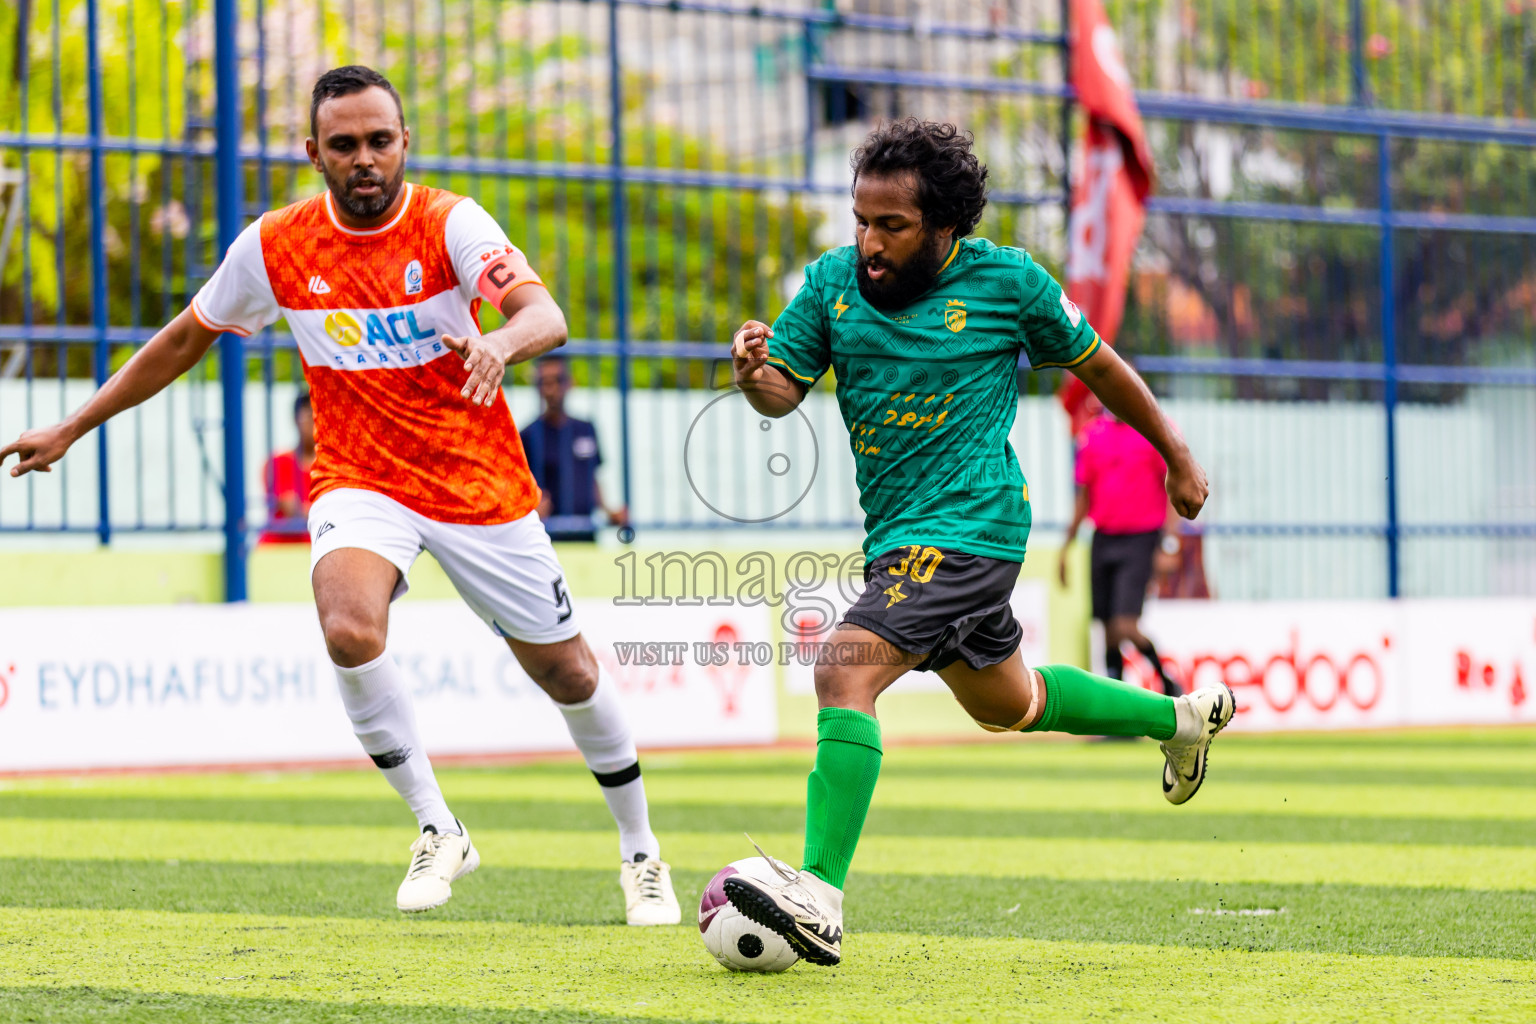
{"points": [[1357, 878]]}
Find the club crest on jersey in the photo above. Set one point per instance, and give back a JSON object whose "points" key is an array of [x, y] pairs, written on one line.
{"points": [[954, 315], [413, 277]]}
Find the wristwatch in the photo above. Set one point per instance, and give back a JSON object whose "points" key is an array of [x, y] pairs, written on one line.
{"points": [[1170, 544]]}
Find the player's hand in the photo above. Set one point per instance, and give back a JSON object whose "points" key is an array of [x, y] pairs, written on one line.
{"points": [[1061, 566], [749, 348], [485, 357], [1187, 488], [39, 449]]}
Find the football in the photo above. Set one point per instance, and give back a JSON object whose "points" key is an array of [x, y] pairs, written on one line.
{"points": [[740, 944]]}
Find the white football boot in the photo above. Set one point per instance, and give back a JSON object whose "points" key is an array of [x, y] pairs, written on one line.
{"points": [[1200, 716], [648, 896], [437, 861], [806, 911]]}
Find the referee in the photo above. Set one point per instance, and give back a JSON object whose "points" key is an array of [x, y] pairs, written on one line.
{"points": [[1120, 487]]}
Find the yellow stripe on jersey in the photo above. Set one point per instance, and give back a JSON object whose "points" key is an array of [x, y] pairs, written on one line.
{"points": [[952, 254], [779, 362], [1097, 341]]}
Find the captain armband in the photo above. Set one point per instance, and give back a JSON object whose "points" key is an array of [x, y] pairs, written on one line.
{"points": [[503, 271]]}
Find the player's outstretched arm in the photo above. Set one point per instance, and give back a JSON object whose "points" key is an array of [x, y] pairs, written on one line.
{"points": [[173, 351], [1127, 396], [768, 391], [534, 326]]}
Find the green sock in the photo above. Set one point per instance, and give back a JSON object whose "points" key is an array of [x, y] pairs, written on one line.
{"points": [[839, 790], [1084, 704]]}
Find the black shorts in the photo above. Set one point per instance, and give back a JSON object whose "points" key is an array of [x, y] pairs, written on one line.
{"points": [[946, 604], [1121, 569]]}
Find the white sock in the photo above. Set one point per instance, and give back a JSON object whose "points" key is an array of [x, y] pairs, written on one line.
{"points": [[602, 735], [380, 708]]}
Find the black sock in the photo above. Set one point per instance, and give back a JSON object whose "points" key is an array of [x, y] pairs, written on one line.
{"points": [[1149, 652], [1114, 662]]}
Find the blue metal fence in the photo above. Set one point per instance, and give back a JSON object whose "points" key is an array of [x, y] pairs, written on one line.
{"points": [[670, 164]]}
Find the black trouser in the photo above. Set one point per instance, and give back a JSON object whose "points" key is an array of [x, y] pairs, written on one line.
{"points": [[1120, 569]]}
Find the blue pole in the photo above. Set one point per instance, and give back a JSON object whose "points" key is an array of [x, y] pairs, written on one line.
{"points": [[1389, 356], [1357, 87], [231, 346], [99, 310], [619, 210], [812, 94], [1361, 97], [1066, 119]]}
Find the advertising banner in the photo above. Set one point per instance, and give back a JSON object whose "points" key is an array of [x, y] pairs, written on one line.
{"points": [[1352, 664], [247, 685], [252, 684]]}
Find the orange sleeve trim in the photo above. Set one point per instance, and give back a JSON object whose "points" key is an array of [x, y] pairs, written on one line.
{"points": [[208, 323], [532, 280], [515, 287]]}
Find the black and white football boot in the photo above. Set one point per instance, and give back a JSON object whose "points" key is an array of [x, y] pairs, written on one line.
{"points": [[802, 908], [1200, 715]]}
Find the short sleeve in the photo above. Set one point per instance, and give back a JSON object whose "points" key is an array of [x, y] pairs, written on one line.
{"points": [[488, 265], [1052, 329], [801, 343], [238, 298]]}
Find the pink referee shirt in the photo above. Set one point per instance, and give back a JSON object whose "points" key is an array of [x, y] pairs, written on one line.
{"points": [[1124, 477]]}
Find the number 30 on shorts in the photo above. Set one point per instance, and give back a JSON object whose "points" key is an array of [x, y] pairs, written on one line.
{"points": [[919, 564]]}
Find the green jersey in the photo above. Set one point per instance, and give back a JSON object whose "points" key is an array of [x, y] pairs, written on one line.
{"points": [[928, 393]]}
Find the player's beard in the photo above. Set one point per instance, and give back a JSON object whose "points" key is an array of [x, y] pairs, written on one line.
{"points": [[903, 283], [366, 207]]}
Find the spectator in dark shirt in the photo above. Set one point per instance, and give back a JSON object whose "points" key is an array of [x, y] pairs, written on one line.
{"points": [[287, 481], [564, 456]]}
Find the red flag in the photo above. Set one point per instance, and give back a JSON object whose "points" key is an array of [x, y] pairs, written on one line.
{"points": [[1109, 197]]}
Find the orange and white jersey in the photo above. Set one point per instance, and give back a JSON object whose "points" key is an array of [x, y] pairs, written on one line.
{"points": [[369, 310]]}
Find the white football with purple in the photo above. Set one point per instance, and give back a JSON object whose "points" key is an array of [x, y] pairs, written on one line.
{"points": [[740, 944]]}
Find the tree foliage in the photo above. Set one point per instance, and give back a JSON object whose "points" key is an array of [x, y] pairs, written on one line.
{"points": [[522, 87], [499, 83], [1297, 290]]}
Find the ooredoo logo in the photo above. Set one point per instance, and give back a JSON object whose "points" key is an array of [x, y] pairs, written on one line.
{"points": [[1284, 678]]}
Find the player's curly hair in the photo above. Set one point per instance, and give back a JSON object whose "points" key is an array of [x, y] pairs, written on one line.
{"points": [[345, 81], [951, 182]]}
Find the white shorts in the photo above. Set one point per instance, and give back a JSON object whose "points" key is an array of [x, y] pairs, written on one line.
{"points": [[506, 572]]}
